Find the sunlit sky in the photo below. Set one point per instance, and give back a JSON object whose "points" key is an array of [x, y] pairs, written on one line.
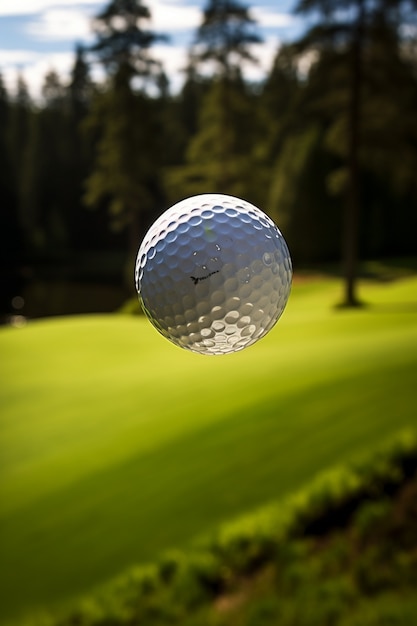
{"points": [[39, 35]]}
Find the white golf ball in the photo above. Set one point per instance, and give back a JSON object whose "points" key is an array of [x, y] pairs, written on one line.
{"points": [[213, 274]]}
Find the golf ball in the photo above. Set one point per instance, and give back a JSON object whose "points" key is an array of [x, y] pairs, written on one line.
{"points": [[213, 274]]}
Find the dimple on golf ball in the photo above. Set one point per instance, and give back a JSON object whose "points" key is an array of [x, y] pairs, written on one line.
{"points": [[213, 274]]}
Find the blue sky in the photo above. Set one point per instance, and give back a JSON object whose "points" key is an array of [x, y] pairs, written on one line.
{"points": [[39, 35]]}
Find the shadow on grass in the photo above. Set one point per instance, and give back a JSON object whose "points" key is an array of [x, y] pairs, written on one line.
{"points": [[405, 307], [394, 307]]}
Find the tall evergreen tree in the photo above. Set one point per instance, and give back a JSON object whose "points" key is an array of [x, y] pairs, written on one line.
{"points": [[81, 87], [5, 157], [10, 241], [343, 38], [225, 37], [44, 185], [123, 41], [221, 154], [18, 128], [79, 94], [125, 172]]}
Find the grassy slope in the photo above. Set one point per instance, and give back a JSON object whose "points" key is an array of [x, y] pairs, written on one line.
{"points": [[116, 445]]}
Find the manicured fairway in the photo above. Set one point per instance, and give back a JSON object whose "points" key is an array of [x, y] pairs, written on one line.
{"points": [[116, 444]]}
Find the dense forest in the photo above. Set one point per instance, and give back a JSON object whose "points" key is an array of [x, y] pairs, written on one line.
{"points": [[326, 144]]}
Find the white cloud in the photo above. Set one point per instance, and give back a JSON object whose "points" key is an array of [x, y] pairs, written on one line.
{"points": [[33, 66], [60, 24], [174, 58], [265, 54], [271, 19], [169, 14], [69, 20], [58, 20], [32, 7], [306, 61], [12, 63], [173, 15], [17, 57]]}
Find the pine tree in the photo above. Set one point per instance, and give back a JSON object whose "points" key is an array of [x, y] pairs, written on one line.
{"points": [[221, 154], [123, 42], [126, 167], [341, 88], [10, 240], [81, 86], [79, 96], [225, 36], [44, 182]]}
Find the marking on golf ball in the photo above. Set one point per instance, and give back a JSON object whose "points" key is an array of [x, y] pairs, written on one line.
{"points": [[213, 274], [197, 279]]}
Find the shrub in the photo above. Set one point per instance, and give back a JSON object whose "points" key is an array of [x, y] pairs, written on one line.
{"points": [[180, 583]]}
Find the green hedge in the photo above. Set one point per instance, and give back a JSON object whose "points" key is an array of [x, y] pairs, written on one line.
{"points": [[180, 582]]}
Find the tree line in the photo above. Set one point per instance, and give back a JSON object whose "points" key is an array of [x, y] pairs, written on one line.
{"points": [[326, 144]]}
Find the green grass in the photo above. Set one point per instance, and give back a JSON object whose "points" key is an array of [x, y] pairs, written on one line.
{"points": [[117, 445]]}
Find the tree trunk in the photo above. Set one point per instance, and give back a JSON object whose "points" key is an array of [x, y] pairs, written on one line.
{"points": [[352, 207]]}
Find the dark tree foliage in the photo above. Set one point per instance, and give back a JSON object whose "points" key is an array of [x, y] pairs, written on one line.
{"points": [[10, 234], [344, 39], [85, 228], [125, 173], [225, 36], [81, 87], [122, 41], [220, 155], [18, 128], [329, 151]]}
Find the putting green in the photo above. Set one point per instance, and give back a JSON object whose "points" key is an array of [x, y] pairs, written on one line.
{"points": [[117, 445]]}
